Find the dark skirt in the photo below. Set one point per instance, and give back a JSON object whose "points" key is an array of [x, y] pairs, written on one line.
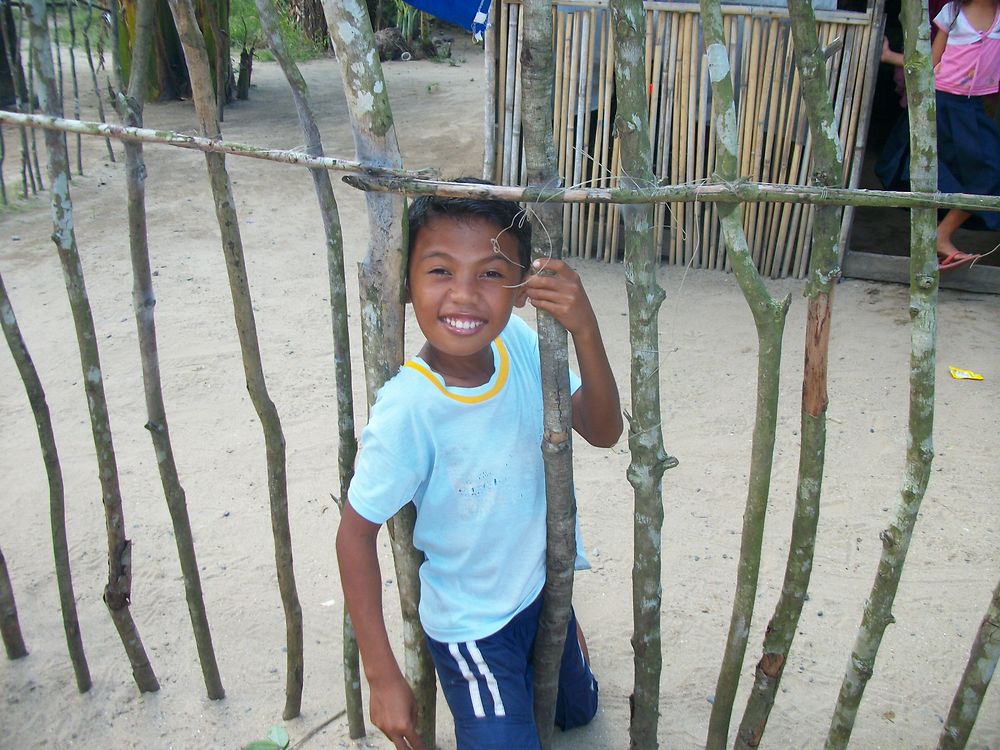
{"points": [[968, 154]]}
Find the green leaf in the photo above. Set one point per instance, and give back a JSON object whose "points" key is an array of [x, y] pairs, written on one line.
{"points": [[278, 736], [263, 745]]}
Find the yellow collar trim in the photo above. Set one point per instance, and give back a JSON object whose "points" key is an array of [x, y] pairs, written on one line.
{"points": [[501, 378]]}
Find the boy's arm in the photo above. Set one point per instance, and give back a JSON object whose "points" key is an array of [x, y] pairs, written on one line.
{"points": [[597, 414], [393, 708]]}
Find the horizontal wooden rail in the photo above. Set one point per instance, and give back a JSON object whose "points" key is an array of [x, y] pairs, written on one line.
{"points": [[422, 183]]}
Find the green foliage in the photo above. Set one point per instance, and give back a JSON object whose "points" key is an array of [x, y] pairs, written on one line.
{"points": [[245, 31], [277, 739], [86, 18]]}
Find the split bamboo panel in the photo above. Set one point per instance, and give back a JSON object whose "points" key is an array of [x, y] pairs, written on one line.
{"points": [[773, 132]]}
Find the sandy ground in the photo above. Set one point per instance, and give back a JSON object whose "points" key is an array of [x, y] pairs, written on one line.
{"points": [[708, 374]]}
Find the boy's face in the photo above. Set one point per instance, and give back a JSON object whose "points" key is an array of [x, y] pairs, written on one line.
{"points": [[463, 290]]}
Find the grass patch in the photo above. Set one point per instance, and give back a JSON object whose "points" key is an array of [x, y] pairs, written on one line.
{"points": [[244, 30]]}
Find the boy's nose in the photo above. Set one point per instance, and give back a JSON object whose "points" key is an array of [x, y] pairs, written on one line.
{"points": [[463, 288]]}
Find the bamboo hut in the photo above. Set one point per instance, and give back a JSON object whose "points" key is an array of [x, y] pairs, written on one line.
{"points": [[773, 133]]}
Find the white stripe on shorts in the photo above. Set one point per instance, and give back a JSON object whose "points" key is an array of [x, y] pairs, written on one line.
{"points": [[463, 666], [491, 681]]}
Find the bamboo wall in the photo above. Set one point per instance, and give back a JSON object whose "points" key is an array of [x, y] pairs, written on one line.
{"points": [[773, 132]]}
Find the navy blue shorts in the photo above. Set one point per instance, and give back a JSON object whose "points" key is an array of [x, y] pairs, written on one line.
{"points": [[489, 685]]}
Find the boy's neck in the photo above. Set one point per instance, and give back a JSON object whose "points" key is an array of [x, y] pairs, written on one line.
{"points": [[460, 372]]}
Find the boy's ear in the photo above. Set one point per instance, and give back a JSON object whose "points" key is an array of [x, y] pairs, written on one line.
{"points": [[406, 292], [521, 298]]}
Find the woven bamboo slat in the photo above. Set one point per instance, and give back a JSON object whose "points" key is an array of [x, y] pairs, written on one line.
{"points": [[581, 141], [772, 131]]}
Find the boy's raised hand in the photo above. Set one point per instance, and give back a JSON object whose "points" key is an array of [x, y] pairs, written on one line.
{"points": [[556, 288]]}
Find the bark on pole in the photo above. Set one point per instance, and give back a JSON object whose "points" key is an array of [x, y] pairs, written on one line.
{"points": [[57, 497], [538, 81], [714, 191], [10, 627], [129, 104], [12, 53], [374, 179], [381, 283], [246, 327], [923, 347], [118, 592], [979, 671], [769, 319], [70, 4], [649, 458], [99, 98], [347, 446], [827, 171]]}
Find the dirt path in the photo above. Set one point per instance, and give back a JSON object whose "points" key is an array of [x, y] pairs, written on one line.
{"points": [[708, 372]]}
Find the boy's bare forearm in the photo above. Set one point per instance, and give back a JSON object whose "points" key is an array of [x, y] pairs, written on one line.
{"points": [[597, 413], [393, 708], [361, 579]]}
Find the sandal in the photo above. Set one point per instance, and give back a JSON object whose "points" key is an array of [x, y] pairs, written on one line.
{"points": [[956, 259]]}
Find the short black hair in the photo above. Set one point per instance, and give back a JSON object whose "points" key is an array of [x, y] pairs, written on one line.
{"points": [[508, 216]]}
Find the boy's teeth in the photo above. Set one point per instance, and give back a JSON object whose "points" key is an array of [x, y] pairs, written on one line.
{"points": [[463, 324]]}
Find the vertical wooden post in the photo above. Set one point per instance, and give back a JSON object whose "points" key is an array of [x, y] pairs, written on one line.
{"points": [[923, 350], [537, 79], [57, 496], [827, 171], [381, 283], [347, 447], [769, 319], [246, 327], [645, 433], [118, 592], [129, 104]]}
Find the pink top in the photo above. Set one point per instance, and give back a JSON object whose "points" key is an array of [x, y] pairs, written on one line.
{"points": [[970, 65]]}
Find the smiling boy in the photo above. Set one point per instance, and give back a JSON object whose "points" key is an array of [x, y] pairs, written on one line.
{"points": [[458, 431]]}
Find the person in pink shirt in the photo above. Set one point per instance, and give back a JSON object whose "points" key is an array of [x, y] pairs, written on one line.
{"points": [[966, 56]]}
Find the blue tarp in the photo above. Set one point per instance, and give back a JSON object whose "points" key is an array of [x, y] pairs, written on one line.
{"points": [[469, 14]]}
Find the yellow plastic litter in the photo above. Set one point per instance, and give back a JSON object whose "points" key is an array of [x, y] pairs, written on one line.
{"points": [[959, 374]]}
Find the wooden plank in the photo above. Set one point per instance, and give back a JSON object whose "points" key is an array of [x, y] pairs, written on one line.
{"points": [[896, 269]]}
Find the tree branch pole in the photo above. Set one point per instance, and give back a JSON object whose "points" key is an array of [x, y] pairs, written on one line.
{"points": [[118, 592], [129, 103], [645, 296], [381, 283], [372, 179], [98, 97], [979, 671], [198, 143], [10, 627], [719, 190], [13, 57], [57, 495], [827, 171], [538, 82], [923, 348], [232, 245], [347, 446], [73, 77], [769, 319]]}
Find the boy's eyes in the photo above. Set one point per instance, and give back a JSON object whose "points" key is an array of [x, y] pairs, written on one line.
{"points": [[489, 273]]}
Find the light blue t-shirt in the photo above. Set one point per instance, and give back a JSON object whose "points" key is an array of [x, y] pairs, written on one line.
{"points": [[470, 460]]}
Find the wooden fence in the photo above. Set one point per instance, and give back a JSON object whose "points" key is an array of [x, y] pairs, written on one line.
{"points": [[774, 138]]}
